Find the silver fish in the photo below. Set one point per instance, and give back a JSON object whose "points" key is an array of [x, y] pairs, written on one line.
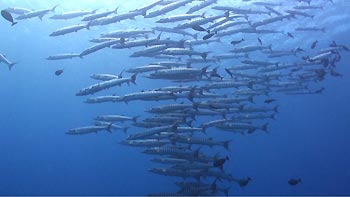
{"points": [[38, 13], [72, 14]]}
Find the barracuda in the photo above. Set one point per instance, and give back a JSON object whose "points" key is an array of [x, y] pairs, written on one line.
{"points": [[38, 13], [105, 85], [94, 16], [152, 131]]}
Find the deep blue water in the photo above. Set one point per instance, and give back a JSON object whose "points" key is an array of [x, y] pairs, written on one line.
{"points": [[309, 138]]}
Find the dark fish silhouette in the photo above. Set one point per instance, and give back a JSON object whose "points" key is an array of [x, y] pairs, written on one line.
{"points": [[199, 28], [269, 100], [294, 181], [314, 44], [59, 72], [7, 15], [229, 72], [206, 37], [260, 41], [237, 41], [219, 163], [290, 35], [299, 49], [243, 182]]}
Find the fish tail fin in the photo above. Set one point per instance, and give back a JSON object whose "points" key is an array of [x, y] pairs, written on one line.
{"points": [[125, 130], [226, 144], [276, 109], [204, 130], [204, 55], [190, 97], [204, 70], [229, 72], [121, 74], [11, 65], [195, 36], [88, 25], [264, 127], [175, 126], [251, 99], [270, 47], [14, 23], [94, 11], [193, 116], [251, 130], [299, 180], [133, 79], [109, 128], [134, 119], [116, 10], [53, 9], [158, 37]]}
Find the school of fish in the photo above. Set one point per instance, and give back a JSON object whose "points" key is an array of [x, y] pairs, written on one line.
{"points": [[183, 50]]}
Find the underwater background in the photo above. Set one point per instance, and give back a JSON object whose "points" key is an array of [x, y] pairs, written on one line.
{"points": [[309, 138]]}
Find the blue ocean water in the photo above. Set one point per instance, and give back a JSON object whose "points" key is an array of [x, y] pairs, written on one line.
{"points": [[308, 139]]}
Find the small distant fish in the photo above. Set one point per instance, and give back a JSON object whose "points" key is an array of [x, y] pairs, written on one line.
{"points": [[59, 72], [199, 28], [294, 181], [219, 163], [299, 49], [290, 35], [7, 15], [269, 100], [346, 48], [237, 41], [206, 37], [313, 29], [243, 182], [260, 41], [314, 44]]}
